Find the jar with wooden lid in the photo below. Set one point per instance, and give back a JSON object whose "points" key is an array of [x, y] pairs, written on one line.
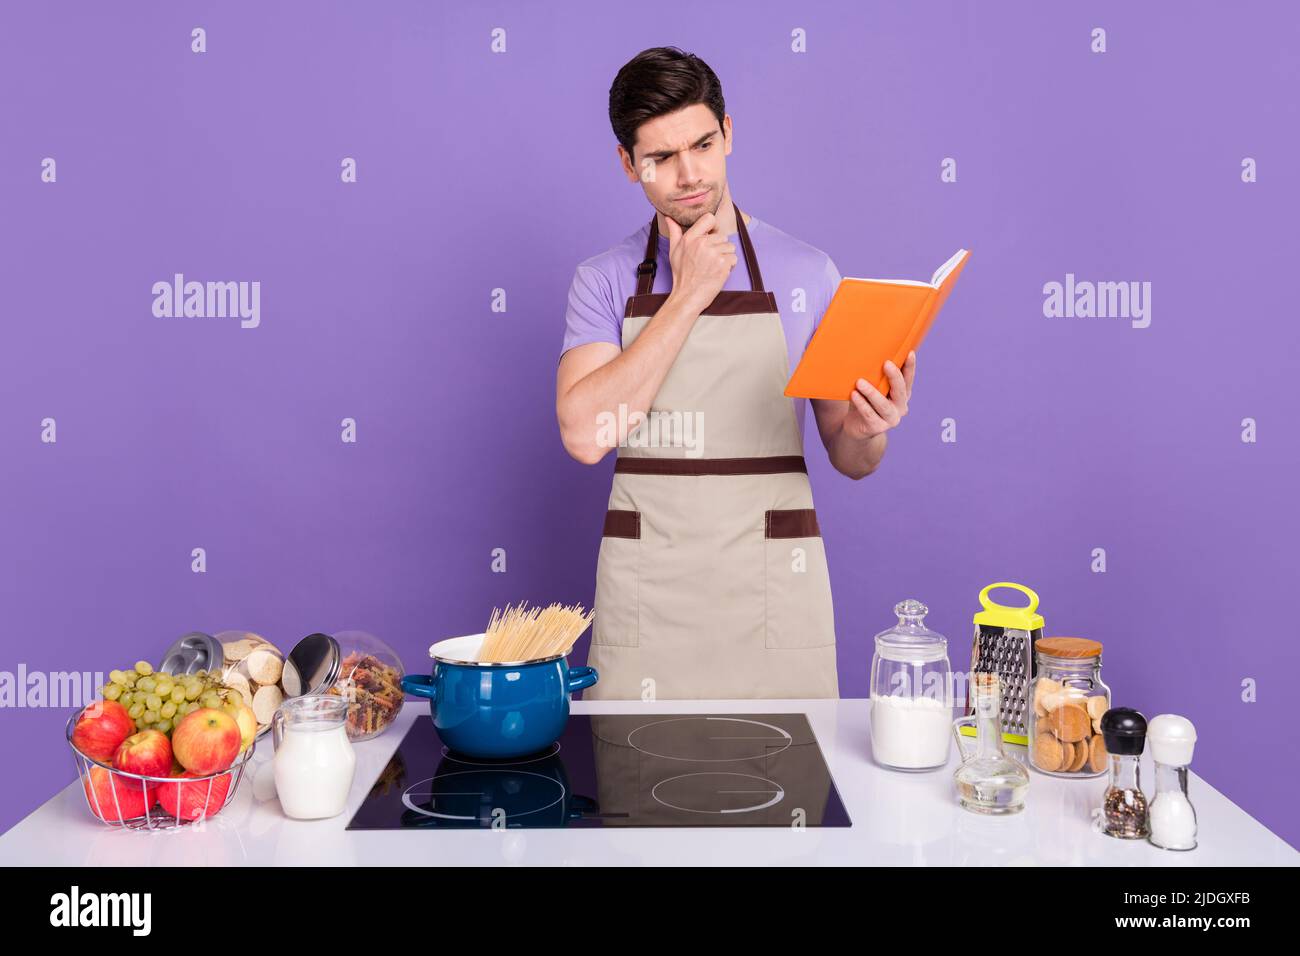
{"points": [[1069, 700]]}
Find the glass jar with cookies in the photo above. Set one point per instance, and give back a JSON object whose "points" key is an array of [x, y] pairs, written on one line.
{"points": [[1069, 700]]}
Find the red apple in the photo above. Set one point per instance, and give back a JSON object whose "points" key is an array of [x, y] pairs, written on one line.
{"points": [[101, 728], [206, 741], [148, 753], [189, 801], [115, 799]]}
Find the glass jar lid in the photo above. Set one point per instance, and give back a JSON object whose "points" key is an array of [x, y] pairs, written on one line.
{"points": [[1068, 648], [192, 652], [313, 666], [910, 641]]}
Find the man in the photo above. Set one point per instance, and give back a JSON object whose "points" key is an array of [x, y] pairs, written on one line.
{"points": [[711, 580]]}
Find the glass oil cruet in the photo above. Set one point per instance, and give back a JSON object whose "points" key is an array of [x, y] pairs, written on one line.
{"points": [[988, 781]]}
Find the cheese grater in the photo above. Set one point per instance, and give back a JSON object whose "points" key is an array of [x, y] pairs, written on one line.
{"points": [[1004, 645]]}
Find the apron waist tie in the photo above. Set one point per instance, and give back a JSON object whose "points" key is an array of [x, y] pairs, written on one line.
{"points": [[770, 465]]}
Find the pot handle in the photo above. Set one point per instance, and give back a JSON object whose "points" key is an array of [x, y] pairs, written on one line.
{"points": [[580, 678], [420, 685]]}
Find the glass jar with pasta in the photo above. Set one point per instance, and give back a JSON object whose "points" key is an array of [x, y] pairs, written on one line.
{"points": [[1069, 699]]}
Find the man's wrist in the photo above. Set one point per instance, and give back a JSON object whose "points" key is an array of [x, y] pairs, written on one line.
{"points": [[858, 456], [860, 440], [686, 302]]}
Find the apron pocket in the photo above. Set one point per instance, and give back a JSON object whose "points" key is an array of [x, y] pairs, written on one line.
{"points": [[617, 573], [799, 612]]}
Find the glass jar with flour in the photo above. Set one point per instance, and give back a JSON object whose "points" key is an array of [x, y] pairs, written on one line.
{"points": [[911, 693]]}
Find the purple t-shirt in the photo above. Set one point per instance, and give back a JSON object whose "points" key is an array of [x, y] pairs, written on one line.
{"points": [[602, 284]]}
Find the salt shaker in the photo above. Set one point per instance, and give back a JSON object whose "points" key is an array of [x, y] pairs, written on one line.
{"points": [[1124, 807], [1173, 819]]}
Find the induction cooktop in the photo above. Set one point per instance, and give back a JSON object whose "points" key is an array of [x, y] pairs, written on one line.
{"points": [[616, 770]]}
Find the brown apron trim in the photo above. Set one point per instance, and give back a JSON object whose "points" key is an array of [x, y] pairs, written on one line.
{"points": [[791, 523], [726, 303], [622, 524], [645, 272], [771, 465]]}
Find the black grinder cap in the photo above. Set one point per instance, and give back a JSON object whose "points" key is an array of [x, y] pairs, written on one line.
{"points": [[1124, 731]]}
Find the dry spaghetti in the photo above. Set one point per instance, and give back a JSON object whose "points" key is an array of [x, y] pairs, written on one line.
{"points": [[528, 634]]}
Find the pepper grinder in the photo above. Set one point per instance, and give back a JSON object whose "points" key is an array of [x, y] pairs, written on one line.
{"points": [[1173, 819], [1124, 807]]}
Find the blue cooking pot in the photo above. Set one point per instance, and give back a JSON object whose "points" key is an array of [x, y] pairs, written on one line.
{"points": [[496, 711]]}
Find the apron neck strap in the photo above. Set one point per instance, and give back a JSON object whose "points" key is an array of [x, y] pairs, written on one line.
{"points": [[645, 272]]}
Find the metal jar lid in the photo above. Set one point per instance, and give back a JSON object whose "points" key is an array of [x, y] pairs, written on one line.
{"points": [[193, 652], [312, 666]]}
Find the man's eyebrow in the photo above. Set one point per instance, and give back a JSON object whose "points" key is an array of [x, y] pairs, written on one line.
{"points": [[661, 153]]}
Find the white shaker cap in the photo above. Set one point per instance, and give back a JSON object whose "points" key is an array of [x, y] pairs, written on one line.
{"points": [[1171, 738]]}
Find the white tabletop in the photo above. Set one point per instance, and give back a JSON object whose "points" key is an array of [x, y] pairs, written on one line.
{"points": [[898, 819]]}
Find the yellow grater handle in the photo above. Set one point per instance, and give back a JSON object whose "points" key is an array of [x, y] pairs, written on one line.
{"points": [[989, 604]]}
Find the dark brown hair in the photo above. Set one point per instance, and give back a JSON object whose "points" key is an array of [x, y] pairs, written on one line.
{"points": [[658, 81]]}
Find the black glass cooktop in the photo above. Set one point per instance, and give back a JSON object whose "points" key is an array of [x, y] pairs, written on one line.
{"points": [[616, 770]]}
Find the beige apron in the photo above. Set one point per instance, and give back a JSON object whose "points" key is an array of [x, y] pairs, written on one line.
{"points": [[711, 581]]}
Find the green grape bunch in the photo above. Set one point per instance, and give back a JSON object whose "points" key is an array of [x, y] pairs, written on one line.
{"points": [[161, 701]]}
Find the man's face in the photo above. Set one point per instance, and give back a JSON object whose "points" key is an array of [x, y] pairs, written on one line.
{"points": [[679, 156]]}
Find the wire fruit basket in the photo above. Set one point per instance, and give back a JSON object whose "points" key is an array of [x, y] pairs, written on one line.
{"points": [[133, 801]]}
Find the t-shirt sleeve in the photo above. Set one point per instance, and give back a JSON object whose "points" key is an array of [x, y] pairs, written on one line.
{"points": [[829, 281], [591, 315]]}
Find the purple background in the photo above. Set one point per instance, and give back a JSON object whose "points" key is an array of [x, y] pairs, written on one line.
{"points": [[480, 171]]}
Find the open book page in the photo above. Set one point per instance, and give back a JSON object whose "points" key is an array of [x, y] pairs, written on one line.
{"points": [[941, 273], [936, 279]]}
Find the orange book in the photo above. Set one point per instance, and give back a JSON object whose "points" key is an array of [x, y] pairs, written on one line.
{"points": [[868, 322]]}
